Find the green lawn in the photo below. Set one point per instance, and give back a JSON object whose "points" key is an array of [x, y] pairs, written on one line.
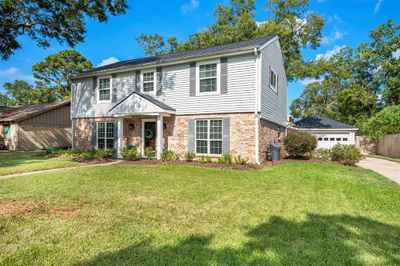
{"points": [[397, 160], [19, 162], [290, 214]]}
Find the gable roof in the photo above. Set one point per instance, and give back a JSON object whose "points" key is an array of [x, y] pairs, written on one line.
{"points": [[320, 122], [18, 113], [146, 97], [220, 49]]}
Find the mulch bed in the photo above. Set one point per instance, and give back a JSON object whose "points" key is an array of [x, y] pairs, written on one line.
{"points": [[36, 208]]}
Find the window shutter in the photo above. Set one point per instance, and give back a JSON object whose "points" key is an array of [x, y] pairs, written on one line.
{"points": [[192, 79], [191, 136], [226, 142], [269, 76], [137, 81], [159, 81], [94, 134], [114, 89], [224, 75], [94, 98], [115, 135]]}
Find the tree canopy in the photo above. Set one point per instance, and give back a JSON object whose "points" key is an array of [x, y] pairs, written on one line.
{"points": [[19, 92], [386, 121], [296, 26], [44, 21], [55, 71]]}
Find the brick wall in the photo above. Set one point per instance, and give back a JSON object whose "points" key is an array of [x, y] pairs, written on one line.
{"points": [[270, 132]]}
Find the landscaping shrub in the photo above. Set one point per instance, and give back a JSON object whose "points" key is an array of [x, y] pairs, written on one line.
{"points": [[346, 154], [189, 156], [225, 159], [169, 156], [205, 159], [322, 154], [299, 144], [240, 160], [150, 153], [130, 153]]}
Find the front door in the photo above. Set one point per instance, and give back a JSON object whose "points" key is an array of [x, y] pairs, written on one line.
{"points": [[150, 135]]}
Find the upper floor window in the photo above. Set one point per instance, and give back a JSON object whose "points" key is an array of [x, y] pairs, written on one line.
{"points": [[207, 77], [104, 89], [148, 81], [273, 80]]}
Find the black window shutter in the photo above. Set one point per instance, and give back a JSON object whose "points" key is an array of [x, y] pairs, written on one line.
{"points": [[159, 81], [226, 142], [224, 75], [114, 89], [191, 136], [192, 90], [94, 134], [94, 98], [137, 81], [115, 135]]}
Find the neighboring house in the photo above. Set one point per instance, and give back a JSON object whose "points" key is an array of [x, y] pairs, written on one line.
{"points": [[229, 98], [36, 126], [327, 131]]}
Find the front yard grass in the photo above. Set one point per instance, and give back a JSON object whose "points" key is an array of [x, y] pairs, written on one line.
{"points": [[290, 214], [19, 162]]}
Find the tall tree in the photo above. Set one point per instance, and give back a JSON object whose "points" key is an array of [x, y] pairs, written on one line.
{"points": [[19, 92], [297, 28], [43, 21], [57, 69]]}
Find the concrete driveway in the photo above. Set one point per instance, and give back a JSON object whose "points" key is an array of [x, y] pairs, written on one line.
{"points": [[386, 168]]}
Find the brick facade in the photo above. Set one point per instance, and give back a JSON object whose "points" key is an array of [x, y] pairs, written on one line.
{"points": [[176, 129]]}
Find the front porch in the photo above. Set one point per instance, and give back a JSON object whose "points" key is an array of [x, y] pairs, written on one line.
{"points": [[142, 122]]}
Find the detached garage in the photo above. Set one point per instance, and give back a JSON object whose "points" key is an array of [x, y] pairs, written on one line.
{"points": [[327, 131]]}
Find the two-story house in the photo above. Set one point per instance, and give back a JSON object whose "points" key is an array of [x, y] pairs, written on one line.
{"points": [[228, 98]]}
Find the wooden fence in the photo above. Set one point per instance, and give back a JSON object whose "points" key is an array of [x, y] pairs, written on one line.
{"points": [[389, 146]]}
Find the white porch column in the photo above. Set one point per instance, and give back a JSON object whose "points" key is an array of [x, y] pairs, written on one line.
{"points": [[159, 147], [120, 140]]}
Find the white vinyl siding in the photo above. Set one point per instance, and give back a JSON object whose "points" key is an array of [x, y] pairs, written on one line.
{"points": [[209, 137], [175, 91], [105, 135], [104, 89]]}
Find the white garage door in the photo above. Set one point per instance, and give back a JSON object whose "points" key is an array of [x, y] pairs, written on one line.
{"points": [[327, 141]]}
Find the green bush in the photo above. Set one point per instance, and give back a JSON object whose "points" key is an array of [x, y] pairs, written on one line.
{"points": [[130, 153], [169, 156], [240, 160], [54, 151], [322, 154], [89, 154], [225, 159], [189, 156], [150, 153], [299, 144], [205, 159], [385, 122], [346, 154]]}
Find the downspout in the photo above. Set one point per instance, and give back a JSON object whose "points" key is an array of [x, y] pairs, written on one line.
{"points": [[256, 117]]}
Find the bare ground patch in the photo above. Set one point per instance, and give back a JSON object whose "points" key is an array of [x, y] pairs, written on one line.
{"points": [[36, 208]]}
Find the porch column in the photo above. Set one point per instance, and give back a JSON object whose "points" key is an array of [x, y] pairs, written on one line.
{"points": [[120, 140], [159, 136]]}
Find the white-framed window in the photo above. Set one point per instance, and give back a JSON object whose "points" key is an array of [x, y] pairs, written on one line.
{"points": [[209, 136], [105, 135], [208, 77], [273, 80], [104, 89], [7, 131], [148, 81]]}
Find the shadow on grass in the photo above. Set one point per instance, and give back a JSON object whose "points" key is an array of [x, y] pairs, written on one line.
{"points": [[319, 240], [19, 158]]}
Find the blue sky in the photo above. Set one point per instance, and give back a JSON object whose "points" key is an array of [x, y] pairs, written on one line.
{"points": [[348, 22]]}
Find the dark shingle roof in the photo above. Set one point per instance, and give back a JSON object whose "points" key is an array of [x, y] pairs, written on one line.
{"points": [[149, 98], [231, 47], [320, 122], [18, 113]]}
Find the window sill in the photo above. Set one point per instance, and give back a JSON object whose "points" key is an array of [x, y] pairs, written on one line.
{"points": [[274, 89]]}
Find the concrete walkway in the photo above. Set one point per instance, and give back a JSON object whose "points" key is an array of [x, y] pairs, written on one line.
{"points": [[56, 170], [386, 168]]}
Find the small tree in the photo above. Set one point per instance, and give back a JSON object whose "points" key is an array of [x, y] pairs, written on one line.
{"points": [[300, 144], [385, 122]]}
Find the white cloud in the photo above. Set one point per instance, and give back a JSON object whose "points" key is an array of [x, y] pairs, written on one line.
{"points": [[307, 81], [108, 61], [397, 54], [192, 5], [12, 73], [334, 35], [378, 6], [329, 53], [335, 19]]}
